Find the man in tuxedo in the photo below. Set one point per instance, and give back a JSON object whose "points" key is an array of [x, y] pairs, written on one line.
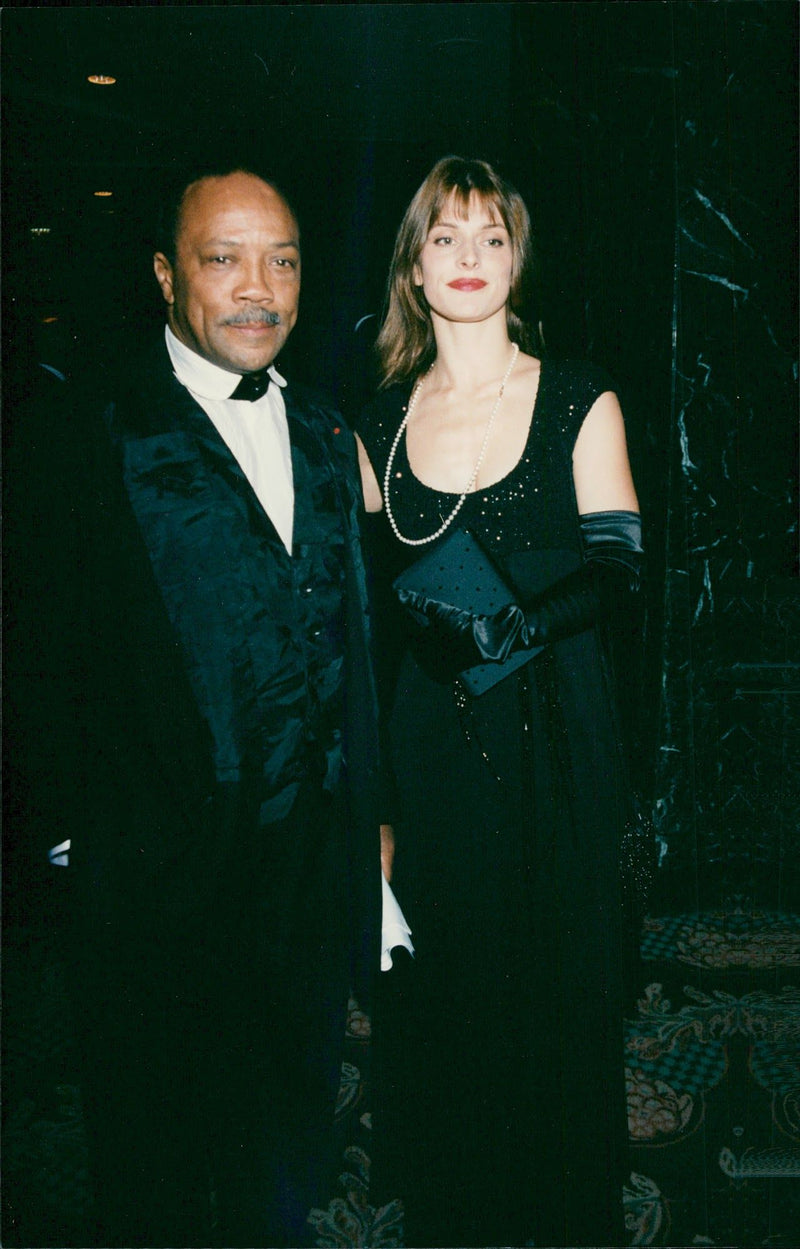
{"points": [[223, 824]]}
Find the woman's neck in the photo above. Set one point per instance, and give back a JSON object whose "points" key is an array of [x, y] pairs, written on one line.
{"points": [[469, 355]]}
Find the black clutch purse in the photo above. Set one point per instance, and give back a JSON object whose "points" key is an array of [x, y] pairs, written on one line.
{"points": [[459, 571]]}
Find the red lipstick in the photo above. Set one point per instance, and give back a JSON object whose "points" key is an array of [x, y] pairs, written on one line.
{"points": [[467, 284]]}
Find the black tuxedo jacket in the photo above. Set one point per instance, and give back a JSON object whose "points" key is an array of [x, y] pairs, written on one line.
{"points": [[217, 717]]}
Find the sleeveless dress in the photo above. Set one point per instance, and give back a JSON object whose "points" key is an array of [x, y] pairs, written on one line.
{"points": [[501, 1105]]}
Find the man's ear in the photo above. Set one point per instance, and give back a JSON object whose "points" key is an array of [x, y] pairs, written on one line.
{"points": [[163, 271]]}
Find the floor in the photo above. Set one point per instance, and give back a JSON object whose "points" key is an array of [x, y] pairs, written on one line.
{"points": [[712, 1059]]}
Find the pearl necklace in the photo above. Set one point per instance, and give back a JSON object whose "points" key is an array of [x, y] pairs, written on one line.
{"points": [[412, 403]]}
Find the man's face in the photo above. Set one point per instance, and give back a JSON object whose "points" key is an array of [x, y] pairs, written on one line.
{"points": [[233, 291]]}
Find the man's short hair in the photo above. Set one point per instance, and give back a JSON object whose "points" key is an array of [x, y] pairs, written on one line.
{"points": [[168, 212]]}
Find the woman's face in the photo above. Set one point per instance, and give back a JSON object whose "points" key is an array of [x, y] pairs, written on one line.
{"points": [[465, 264]]}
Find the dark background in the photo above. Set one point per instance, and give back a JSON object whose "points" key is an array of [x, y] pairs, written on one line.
{"points": [[656, 146]]}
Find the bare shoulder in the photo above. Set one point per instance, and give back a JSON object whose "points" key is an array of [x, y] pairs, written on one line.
{"points": [[523, 386], [603, 420], [527, 367], [600, 465]]}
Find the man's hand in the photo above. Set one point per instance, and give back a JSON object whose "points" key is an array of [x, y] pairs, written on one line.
{"points": [[387, 850]]}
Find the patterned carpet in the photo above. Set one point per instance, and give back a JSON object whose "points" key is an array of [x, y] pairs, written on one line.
{"points": [[712, 1063], [712, 1060]]}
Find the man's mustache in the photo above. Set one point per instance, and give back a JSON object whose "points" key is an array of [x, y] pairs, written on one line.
{"points": [[255, 316]]}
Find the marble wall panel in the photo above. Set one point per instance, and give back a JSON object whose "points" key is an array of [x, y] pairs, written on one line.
{"points": [[661, 148], [726, 783]]}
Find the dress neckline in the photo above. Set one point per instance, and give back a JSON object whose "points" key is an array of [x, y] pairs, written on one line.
{"points": [[454, 494]]}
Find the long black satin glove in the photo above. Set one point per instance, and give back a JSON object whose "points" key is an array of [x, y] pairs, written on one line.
{"points": [[612, 551]]}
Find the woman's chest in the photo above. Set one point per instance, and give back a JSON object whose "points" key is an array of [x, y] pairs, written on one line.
{"points": [[533, 505]]}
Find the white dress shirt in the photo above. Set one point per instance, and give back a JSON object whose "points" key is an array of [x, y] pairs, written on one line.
{"points": [[257, 433]]}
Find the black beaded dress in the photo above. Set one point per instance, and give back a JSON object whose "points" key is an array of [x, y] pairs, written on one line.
{"points": [[503, 1113]]}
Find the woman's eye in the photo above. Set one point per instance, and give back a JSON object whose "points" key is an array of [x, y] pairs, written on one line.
{"points": [[443, 238]]}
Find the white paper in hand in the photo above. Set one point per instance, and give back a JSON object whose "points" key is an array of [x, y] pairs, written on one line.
{"points": [[394, 929]]}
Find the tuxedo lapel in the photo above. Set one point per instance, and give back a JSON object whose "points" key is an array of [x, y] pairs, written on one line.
{"points": [[216, 557], [166, 436], [318, 507]]}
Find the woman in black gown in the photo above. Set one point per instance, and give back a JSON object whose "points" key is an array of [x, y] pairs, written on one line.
{"points": [[504, 1114]]}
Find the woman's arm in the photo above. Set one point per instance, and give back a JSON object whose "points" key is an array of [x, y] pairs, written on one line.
{"points": [[600, 468], [373, 499], [387, 850]]}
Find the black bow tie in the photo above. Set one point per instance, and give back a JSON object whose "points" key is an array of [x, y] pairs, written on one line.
{"points": [[252, 386]]}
